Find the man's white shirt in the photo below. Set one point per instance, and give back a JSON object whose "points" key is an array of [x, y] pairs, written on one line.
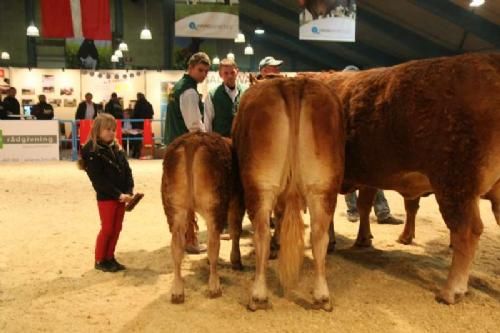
{"points": [[189, 105]]}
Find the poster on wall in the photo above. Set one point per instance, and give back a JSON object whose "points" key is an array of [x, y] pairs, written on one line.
{"points": [[22, 140], [329, 20], [48, 84], [4, 81], [198, 18]]}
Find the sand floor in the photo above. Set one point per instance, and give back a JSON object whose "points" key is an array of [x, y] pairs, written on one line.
{"points": [[48, 225]]}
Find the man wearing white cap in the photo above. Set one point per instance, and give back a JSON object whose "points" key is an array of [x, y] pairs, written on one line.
{"points": [[269, 66]]}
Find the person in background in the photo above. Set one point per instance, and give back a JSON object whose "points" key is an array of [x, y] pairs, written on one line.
{"points": [[113, 107], [221, 104], [185, 114], [43, 110], [142, 110], [185, 108], [87, 109], [269, 66], [3, 113], [11, 105], [109, 172]]}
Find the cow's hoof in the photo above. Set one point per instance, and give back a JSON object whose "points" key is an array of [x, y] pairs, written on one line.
{"points": [[323, 304], [449, 297], [237, 266], [215, 293], [406, 240], [177, 299], [259, 304], [363, 242]]}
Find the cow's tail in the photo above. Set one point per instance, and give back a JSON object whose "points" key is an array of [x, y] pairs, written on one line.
{"points": [[292, 226], [190, 149]]}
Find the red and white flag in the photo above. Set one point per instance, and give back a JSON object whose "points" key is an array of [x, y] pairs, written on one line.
{"points": [[89, 19]]}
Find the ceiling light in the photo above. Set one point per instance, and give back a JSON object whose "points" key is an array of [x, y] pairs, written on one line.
{"points": [[146, 34], [114, 58], [476, 3], [118, 53], [230, 56], [123, 47], [5, 56], [32, 30], [240, 38], [248, 50], [215, 60], [259, 30]]}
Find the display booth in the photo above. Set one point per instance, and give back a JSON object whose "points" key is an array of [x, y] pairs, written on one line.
{"points": [[65, 89]]}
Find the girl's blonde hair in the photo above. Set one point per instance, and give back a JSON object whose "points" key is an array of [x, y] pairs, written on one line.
{"points": [[103, 120]]}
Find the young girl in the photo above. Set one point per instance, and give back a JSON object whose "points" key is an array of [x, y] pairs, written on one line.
{"points": [[108, 169]]}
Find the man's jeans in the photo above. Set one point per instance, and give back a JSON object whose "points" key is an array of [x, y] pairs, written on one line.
{"points": [[380, 205]]}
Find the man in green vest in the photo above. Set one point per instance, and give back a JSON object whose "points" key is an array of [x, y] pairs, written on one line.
{"points": [[184, 115], [185, 108], [221, 104]]}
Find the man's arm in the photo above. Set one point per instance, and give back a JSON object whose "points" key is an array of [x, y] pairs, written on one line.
{"points": [[208, 115], [190, 110]]}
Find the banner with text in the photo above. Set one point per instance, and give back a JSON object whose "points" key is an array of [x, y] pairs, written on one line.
{"points": [[29, 140], [330, 20], [207, 19]]}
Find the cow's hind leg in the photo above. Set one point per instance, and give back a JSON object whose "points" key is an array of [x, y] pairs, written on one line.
{"points": [[494, 197], [259, 212], [215, 220], [465, 234], [178, 243], [235, 220], [408, 234], [321, 219], [365, 204]]}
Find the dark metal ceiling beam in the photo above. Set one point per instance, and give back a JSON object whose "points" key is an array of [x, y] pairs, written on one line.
{"points": [[283, 48], [378, 57], [466, 19], [321, 55], [422, 46]]}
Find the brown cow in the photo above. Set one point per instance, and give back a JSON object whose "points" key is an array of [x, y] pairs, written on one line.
{"points": [[290, 147], [200, 175], [428, 126]]}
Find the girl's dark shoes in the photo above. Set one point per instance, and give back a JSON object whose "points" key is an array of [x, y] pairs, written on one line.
{"points": [[109, 266], [116, 265]]}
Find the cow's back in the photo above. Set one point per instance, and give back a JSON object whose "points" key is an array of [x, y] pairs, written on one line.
{"points": [[198, 173], [426, 117]]}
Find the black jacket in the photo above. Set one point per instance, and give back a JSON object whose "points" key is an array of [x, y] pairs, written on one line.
{"points": [[82, 107], [43, 111], [114, 109], [108, 170], [142, 110], [11, 106], [3, 112]]}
